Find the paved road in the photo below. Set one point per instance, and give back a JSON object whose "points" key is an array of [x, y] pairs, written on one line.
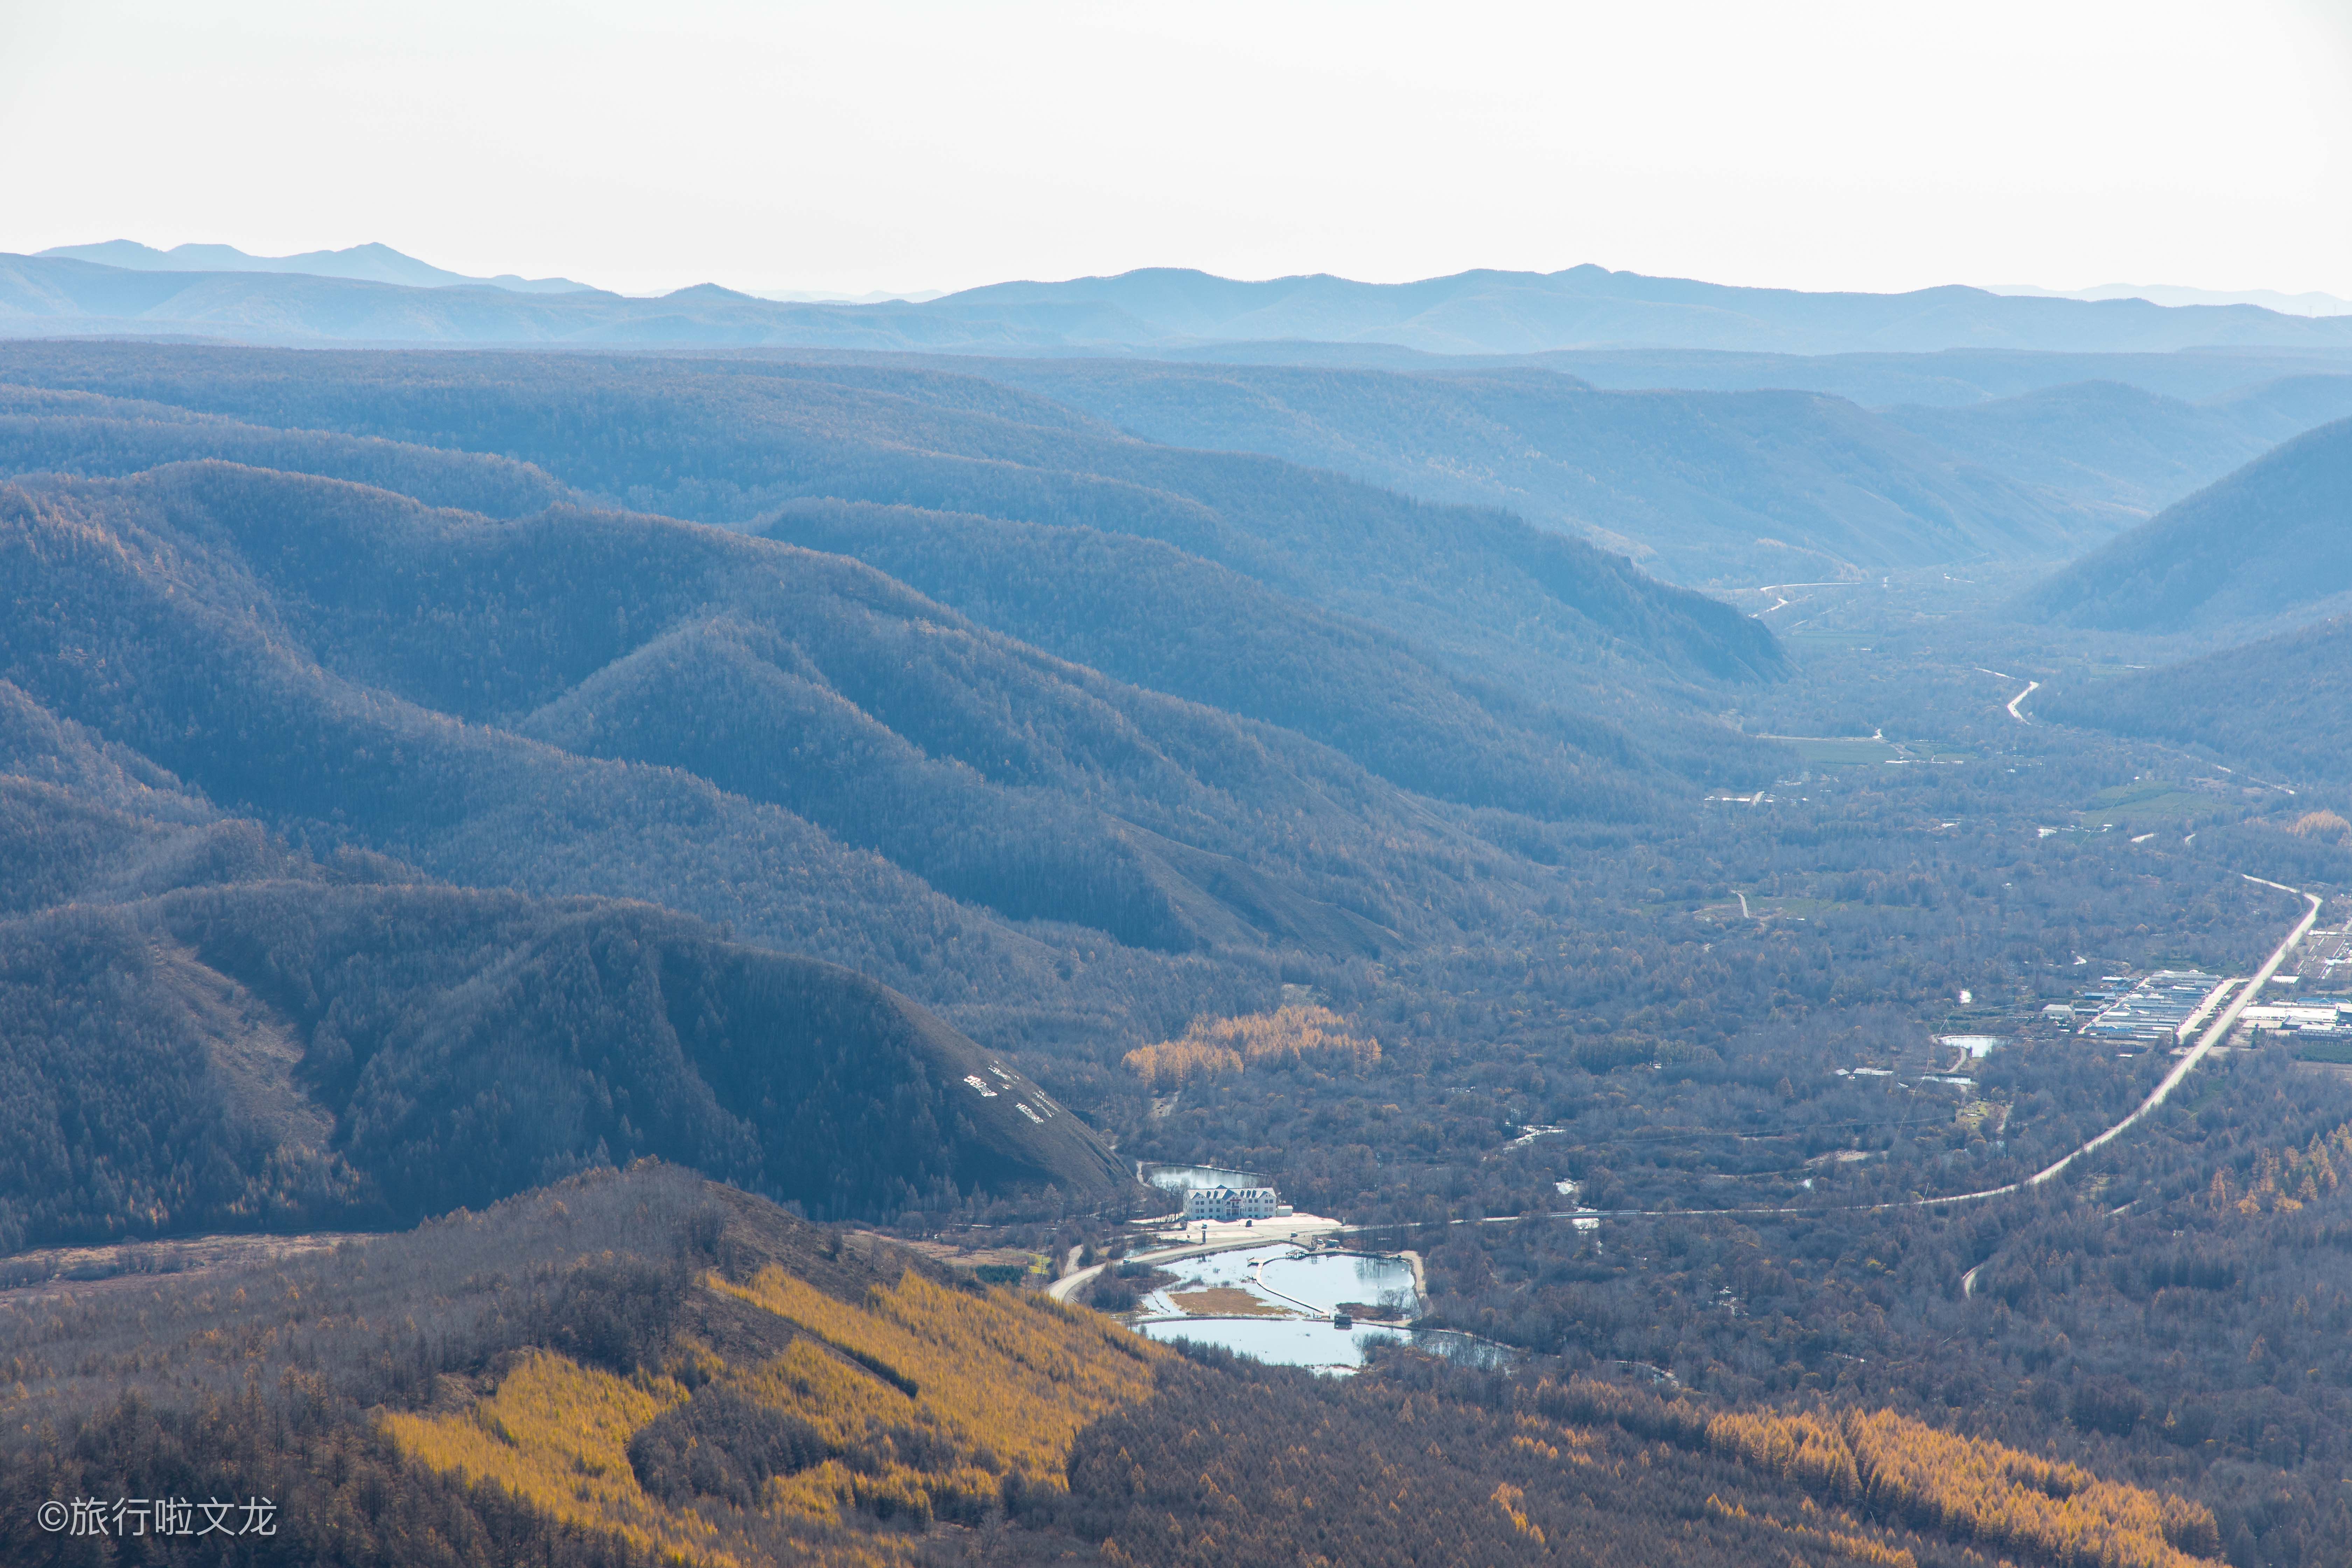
{"points": [[1061, 1289], [2213, 1036], [2031, 688]]}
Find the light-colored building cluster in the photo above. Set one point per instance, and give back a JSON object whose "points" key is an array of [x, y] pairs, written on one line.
{"points": [[2316, 1016], [1233, 1203], [2164, 1008]]}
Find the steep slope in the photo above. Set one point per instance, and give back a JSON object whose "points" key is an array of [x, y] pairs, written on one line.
{"points": [[721, 440], [277, 1055], [2281, 706], [1748, 486], [205, 1028], [1150, 614], [623, 1370], [810, 686], [2268, 540]]}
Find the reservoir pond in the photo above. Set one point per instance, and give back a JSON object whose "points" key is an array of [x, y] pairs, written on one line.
{"points": [[1274, 1303], [1314, 1344], [1330, 1281]]}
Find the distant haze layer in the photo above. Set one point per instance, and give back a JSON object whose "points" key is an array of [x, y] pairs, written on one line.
{"points": [[1157, 310]]}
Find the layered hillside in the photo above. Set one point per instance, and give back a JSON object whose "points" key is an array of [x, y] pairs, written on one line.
{"points": [[722, 440], [596, 702], [2106, 445], [43, 432], [2268, 540], [1150, 614], [1747, 487]]}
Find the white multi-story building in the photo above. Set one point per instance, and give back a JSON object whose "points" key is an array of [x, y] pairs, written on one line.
{"points": [[1232, 1203]]}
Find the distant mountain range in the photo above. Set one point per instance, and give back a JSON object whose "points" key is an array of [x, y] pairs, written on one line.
{"points": [[2310, 304], [1153, 311], [365, 263], [1591, 307]]}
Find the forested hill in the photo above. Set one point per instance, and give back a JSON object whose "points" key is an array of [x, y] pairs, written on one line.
{"points": [[724, 439], [43, 431], [1149, 613], [637, 1368], [395, 856], [2268, 540], [293, 1054], [2280, 706], [1751, 486], [596, 702], [205, 1028]]}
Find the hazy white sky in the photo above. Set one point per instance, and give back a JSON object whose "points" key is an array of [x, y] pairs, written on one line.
{"points": [[890, 143]]}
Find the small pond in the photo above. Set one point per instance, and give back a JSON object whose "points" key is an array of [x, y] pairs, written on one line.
{"points": [[1236, 1269], [1329, 1280], [1314, 1344], [1282, 1342]]}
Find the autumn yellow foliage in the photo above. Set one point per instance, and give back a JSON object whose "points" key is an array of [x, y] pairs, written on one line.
{"points": [[1905, 1469], [2006, 1496], [1992, 1492], [1007, 1377], [1509, 1498], [1215, 1046], [2284, 1180], [556, 1434], [1857, 1548], [1002, 1383]]}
